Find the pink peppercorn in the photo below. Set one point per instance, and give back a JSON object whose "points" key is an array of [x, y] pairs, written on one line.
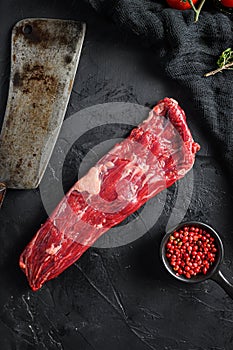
{"points": [[191, 251]]}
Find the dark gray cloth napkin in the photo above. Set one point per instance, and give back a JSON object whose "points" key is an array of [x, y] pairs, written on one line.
{"points": [[187, 51]]}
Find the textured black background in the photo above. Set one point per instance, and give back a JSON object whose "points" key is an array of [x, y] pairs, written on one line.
{"points": [[119, 298]]}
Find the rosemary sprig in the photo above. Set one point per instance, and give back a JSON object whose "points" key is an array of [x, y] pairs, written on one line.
{"points": [[225, 61], [197, 10]]}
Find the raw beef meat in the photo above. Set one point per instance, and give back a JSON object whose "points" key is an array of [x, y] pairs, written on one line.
{"points": [[157, 153]]}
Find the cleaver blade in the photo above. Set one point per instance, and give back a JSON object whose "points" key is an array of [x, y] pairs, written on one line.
{"points": [[44, 59]]}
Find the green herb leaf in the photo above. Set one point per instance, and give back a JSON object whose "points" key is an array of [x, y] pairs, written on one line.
{"points": [[225, 61], [225, 58]]}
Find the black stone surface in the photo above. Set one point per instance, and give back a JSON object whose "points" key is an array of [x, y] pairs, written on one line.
{"points": [[119, 298]]}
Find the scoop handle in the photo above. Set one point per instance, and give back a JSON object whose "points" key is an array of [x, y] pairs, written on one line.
{"points": [[2, 192], [223, 282]]}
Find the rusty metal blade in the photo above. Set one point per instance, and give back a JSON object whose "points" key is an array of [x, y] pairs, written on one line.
{"points": [[44, 59]]}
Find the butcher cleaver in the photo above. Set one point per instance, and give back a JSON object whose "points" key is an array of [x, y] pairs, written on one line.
{"points": [[44, 59]]}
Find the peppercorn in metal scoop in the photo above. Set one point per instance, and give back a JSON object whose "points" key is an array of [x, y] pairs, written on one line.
{"points": [[214, 273]]}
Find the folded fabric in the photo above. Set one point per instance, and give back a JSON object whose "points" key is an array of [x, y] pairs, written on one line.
{"points": [[187, 51]]}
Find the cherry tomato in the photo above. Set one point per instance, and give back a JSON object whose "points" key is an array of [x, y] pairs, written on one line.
{"points": [[227, 3], [183, 4]]}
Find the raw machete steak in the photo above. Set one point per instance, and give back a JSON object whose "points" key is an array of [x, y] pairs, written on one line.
{"points": [[157, 153]]}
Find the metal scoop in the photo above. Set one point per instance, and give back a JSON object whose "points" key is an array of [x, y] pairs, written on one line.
{"points": [[44, 58], [214, 273]]}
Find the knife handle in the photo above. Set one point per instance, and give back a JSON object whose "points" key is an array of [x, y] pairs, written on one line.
{"points": [[2, 192]]}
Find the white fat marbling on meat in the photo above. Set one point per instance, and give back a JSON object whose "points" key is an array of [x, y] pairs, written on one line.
{"points": [[104, 167], [53, 250], [109, 164], [90, 183], [62, 208], [99, 226], [135, 166]]}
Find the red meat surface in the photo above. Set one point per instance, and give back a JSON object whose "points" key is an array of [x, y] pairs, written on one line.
{"points": [[157, 153]]}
